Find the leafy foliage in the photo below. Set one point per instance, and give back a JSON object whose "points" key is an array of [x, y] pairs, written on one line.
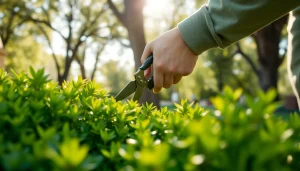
{"points": [[78, 127]]}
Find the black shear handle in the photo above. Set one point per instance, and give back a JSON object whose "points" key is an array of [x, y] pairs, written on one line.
{"points": [[146, 65]]}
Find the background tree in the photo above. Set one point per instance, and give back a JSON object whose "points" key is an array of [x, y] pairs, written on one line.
{"points": [[23, 49], [76, 22], [269, 53], [268, 50], [10, 19], [97, 46]]}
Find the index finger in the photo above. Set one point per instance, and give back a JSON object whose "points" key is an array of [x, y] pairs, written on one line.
{"points": [[147, 51]]}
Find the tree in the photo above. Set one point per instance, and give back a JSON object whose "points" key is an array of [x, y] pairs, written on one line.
{"points": [[24, 52], [81, 57], [22, 48], [267, 40], [10, 18], [229, 69], [269, 58], [132, 19], [76, 22]]}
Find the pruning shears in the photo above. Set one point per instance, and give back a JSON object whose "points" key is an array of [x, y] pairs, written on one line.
{"points": [[137, 86]]}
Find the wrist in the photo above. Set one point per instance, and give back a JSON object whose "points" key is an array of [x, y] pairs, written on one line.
{"points": [[182, 41]]}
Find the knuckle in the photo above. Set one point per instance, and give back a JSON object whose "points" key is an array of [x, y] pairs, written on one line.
{"points": [[187, 71], [167, 85], [149, 45], [157, 83], [173, 69], [160, 66]]}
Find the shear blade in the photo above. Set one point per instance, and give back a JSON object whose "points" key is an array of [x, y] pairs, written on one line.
{"points": [[127, 91], [138, 92]]}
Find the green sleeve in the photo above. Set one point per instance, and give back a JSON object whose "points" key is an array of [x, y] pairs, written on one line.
{"points": [[223, 22]]}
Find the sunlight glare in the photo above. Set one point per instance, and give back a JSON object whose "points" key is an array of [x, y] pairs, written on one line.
{"points": [[157, 8]]}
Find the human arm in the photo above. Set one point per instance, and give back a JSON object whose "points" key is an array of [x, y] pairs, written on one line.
{"points": [[218, 24]]}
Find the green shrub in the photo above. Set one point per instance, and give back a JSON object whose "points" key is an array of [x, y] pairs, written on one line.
{"points": [[79, 127]]}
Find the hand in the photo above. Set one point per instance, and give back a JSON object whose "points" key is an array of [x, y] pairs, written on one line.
{"points": [[172, 59]]}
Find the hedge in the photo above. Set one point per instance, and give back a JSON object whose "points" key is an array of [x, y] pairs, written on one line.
{"points": [[78, 126]]}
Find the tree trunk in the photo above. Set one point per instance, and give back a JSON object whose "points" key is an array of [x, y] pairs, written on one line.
{"points": [[267, 41], [220, 80], [60, 79], [65, 74], [135, 25], [82, 70]]}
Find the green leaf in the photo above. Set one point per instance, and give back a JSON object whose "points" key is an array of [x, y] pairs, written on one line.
{"points": [[156, 156], [46, 134], [32, 72], [270, 95], [106, 135], [237, 94], [72, 152], [219, 103]]}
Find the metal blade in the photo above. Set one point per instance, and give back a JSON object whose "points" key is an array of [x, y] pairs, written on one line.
{"points": [[138, 93], [127, 90]]}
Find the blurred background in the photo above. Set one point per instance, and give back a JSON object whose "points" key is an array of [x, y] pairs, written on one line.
{"points": [[103, 40]]}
